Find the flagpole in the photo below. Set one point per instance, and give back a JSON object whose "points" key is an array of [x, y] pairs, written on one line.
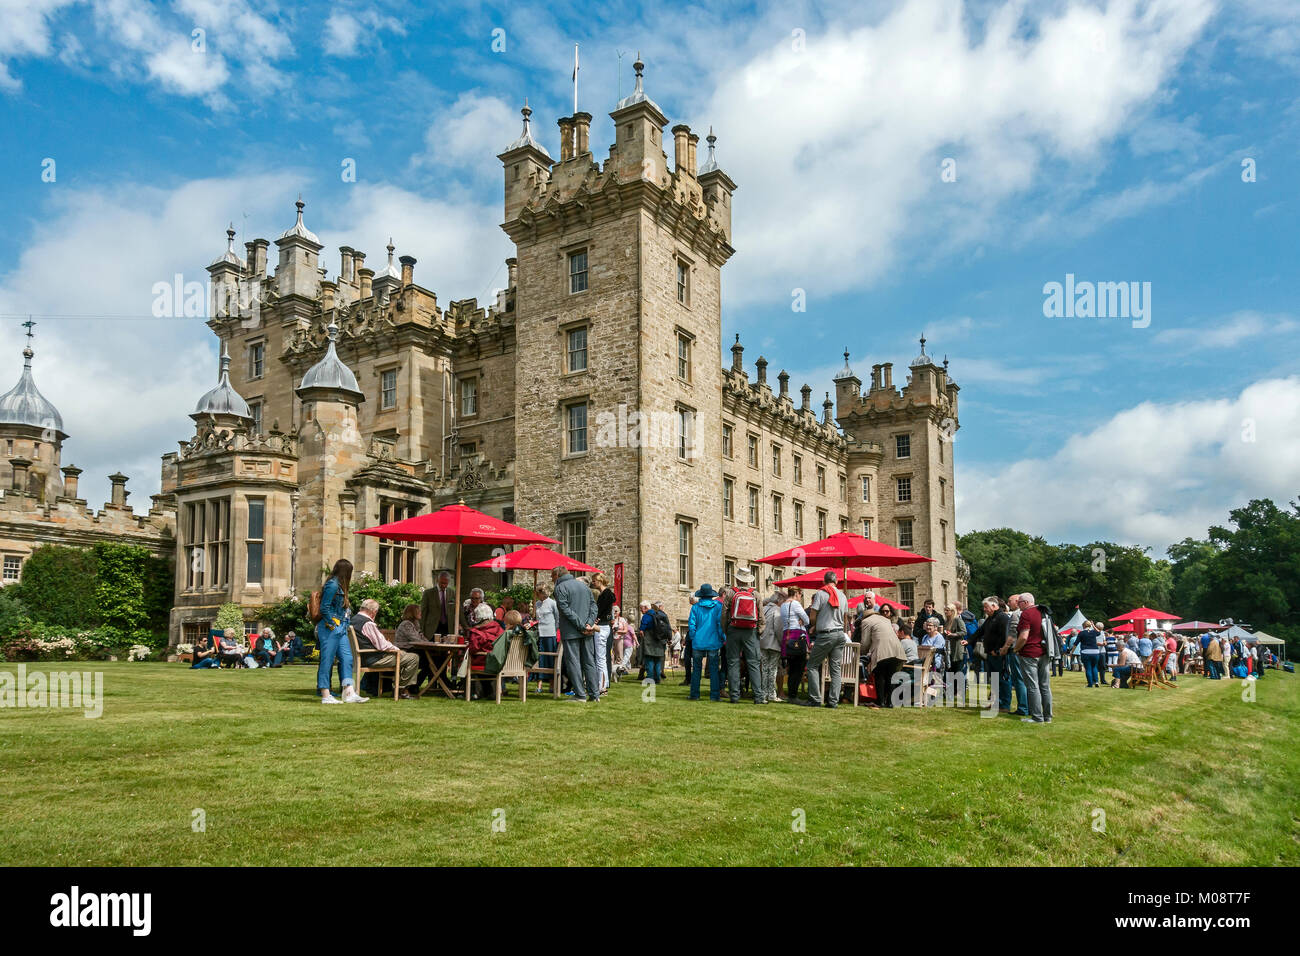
{"points": [[575, 78]]}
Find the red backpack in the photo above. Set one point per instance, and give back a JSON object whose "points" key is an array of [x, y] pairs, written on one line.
{"points": [[744, 608]]}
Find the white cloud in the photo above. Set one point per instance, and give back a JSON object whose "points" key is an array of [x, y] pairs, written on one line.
{"points": [[838, 146], [1229, 332], [1152, 474], [469, 134], [349, 33]]}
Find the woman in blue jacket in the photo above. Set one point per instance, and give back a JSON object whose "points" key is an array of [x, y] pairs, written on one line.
{"points": [[332, 635]]}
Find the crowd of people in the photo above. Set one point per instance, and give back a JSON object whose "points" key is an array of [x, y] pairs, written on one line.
{"points": [[785, 646]]}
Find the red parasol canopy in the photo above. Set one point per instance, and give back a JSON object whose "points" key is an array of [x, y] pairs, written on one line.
{"points": [[1197, 626], [1122, 629], [1146, 614], [848, 579], [458, 524], [533, 557], [880, 602], [844, 549]]}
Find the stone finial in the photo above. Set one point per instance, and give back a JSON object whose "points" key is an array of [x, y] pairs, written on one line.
{"points": [[827, 406]]}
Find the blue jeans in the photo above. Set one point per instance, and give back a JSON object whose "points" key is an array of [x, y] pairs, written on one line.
{"points": [[654, 668], [266, 660], [1090, 667], [697, 661], [333, 645], [1013, 678], [1122, 674], [206, 662]]}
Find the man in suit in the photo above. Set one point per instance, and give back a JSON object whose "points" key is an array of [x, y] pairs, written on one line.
{"points": [[438, 609], [577, 621]]}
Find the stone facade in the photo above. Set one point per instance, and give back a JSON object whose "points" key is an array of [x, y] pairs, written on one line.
{"points": [[587, 402]]}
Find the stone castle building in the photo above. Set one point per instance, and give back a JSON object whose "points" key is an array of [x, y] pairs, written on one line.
{"points": [[587, 402]]}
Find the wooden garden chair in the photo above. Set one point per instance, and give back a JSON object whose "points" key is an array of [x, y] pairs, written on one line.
{"points": [[1147, 676], [358, 668], [555, 671], [848, 672], [513, 667]]}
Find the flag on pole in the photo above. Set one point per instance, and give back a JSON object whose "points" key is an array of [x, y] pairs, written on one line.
{"points": [[575, 78]]}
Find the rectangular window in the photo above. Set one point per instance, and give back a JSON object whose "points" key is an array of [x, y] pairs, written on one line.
{"points": [[468, 397], [907, 593], [943, 534], [255, 409], [683, 283], [728, 495], [776, 460], [685, 434], [574, 535], [728, 572], [683, 357], [576, 429], [904, 532], [821, 524], [798, 469], [776, 513], [844, 488], [753, 506], [821, 480], [943, 491], [866, 527], [388, 388], [256, 538], [727, 450], [577, 350], [753, 451], [256, 359], [468, 449], [578, 271], [866, 487], [685, 562], [904, 489], [902, 446], [941, 449], [13, 567], [206, 533], [396, 558], [798, 519]]}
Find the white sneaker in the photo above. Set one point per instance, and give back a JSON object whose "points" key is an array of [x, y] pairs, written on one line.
{"points": [[330, 699], [352, 697]]}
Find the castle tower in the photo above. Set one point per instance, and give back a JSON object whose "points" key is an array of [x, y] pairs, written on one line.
{"points": [[298, 272], [618, 304], [330, 448], [31, 436]]}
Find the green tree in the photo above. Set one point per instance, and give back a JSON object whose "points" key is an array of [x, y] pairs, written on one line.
{"points": [[229, 616], [120, 589], [392, 598]]}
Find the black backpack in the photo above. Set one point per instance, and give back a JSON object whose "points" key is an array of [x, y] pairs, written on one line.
{"points": [[663, 629]]}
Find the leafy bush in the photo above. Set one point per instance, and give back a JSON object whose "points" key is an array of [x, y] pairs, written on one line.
{"points": [[45, 642], [60, 586], [288, 615], [522, 593], [120, 590], [230, 616], [392, 598], [13, 610]]}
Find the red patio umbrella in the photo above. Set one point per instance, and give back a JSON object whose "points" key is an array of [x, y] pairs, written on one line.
{"points": [[1140, 615], [533, 557], [880, 602], [1196, 626], [1123, 629], [457, 524], [844, 550], [851, 579]]}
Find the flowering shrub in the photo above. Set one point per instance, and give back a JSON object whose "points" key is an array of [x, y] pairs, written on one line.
{"points": [[31, 641]]}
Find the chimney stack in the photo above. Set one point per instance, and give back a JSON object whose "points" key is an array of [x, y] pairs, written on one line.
{"points": [[250, 255], [408, 270], [119, 493], [327, 295], [784, 379], [512, 272], [20, 466], [582, 126], [875, 377], [693, 140], [358, 260], [566, 138], [826, 409], [680, 146], [887, 370], [738, 356], [761, 365], [345, 263], [806, 392], [70, 475], [258, 265]]}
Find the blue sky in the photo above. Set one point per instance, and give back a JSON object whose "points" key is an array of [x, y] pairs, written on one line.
{"points": [[1099, 139]]}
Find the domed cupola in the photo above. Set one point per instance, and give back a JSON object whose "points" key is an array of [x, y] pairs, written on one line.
{"points": [[330, 375], [25, 405], [223, 403], [922, 359]]}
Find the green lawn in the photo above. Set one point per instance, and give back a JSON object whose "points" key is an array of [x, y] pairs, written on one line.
{"points": [[1191, 776]]}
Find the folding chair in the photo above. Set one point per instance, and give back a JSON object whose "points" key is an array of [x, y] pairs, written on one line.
{"points": [[358, 668], [848, 672]]}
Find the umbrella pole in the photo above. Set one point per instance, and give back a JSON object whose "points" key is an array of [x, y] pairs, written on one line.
{"points": [[455, 632]]}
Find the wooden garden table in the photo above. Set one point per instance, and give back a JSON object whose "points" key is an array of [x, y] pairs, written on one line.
{"points": [[440, 657]]}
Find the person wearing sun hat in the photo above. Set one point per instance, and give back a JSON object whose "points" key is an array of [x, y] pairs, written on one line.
{"points": [[704, 630]]}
